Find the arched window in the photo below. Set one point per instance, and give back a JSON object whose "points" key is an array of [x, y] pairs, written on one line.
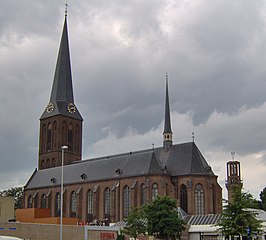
{"points": [[57, 204], [77, 143], [90, 206], [143, 194], [74, 200], [154, 191], [54, 135], [53, 164], [49, 137], [43, 201], [30, 202], [48, 163], [213, 199], [107, 203], [43, 138], [199, 199], [64, 133], [42, 165], [183, 197], [126, 201], [70, 137]]}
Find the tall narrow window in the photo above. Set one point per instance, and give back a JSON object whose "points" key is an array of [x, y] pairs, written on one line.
{"points": [[90, 206], [107, 203], [64, 134], [30, 202], [49, 137], [42, 165], [53, 164], [70, 137], [43, 137], [57, 204], [76, 148], [213, 199], [126, 201], [43, 201], [154, 191], [48, 163], [143, 194], [54, 135], [183, 197], [74, 198], [199, 199]]}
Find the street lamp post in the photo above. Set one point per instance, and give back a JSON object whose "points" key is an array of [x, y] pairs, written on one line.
{"points": [[63, 148]]}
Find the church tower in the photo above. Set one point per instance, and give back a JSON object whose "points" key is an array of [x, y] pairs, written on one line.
{"points": [[61, 122], [233, 180], [167, 133]]}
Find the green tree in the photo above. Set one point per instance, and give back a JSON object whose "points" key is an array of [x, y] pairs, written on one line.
{"points": [[163, 220], [251, 202], [16, 192], [136, 223], [237, 219], [263, 199]]}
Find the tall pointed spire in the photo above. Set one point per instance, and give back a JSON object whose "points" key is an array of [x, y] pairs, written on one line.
{"points": [[61, 122], [167, 134], [62, 98]]}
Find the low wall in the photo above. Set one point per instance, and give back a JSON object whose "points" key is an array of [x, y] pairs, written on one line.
{"points": [[31, 231], [41, 215]]}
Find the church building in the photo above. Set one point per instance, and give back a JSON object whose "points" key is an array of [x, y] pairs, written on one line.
{"points": [[109, 187]]}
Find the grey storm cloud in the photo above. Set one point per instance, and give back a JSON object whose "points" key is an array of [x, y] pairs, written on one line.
{"points": [[213, 52]]}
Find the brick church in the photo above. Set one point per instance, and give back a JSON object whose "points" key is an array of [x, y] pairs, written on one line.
{"points": [[109, 187]]}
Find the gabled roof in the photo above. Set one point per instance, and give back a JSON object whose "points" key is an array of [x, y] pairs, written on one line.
{"points": [[184, 159], [62, 89], [129, 165], [180, 159]]}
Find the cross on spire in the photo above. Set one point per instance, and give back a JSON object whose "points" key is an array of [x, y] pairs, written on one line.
{"points": [[233, 155], [66, 6]]}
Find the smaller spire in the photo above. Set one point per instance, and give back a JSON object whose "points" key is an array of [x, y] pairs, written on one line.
{"points": [[167, 134], [193, 136]]}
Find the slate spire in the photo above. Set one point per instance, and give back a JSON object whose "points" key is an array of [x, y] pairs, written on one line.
{"points": [[167, 134], [62, 98]]}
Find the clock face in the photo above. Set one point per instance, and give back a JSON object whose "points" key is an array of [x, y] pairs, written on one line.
{"points": [[71, 107], [50, 107]]}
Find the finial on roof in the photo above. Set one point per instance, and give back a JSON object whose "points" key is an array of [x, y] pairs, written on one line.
{"points": [[193, 136], [233, 155], [66, 6]]}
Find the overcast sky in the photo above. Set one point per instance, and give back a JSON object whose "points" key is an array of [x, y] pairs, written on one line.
{"points": [[213, 52]]}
